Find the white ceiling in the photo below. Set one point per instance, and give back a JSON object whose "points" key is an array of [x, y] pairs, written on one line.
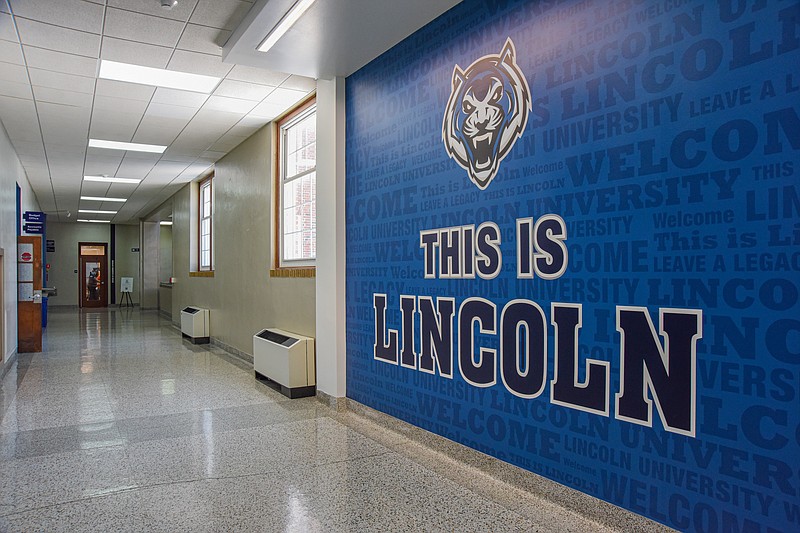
{"points": [[52, 102], [333, 38]]}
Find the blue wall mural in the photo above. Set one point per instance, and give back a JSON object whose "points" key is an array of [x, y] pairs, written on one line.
{"points": [[572, 244]]}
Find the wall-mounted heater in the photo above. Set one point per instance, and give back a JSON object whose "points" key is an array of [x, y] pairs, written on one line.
{"points": [[194, 324], [286, 359]]}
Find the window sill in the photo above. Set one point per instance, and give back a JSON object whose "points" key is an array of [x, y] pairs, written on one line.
{"points": [[293, 272], [202, 274]]}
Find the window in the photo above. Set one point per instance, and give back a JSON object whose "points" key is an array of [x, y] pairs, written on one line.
{"points": [[206, 212], [297, 171]]}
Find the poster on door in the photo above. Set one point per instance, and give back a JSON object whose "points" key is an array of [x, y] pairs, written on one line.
{"points": [[573, 243]]}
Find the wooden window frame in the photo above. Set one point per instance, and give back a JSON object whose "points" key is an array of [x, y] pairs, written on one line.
{"points": [[278, 269], [207, 181]]}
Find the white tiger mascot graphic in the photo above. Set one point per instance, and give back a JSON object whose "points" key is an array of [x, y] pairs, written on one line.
{"points": [[486, 113]]}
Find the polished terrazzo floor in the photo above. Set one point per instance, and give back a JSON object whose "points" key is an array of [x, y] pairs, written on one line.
{"points": [[120, 425]]}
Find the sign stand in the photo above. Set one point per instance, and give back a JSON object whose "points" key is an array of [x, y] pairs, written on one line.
{"points": [[126, 289]]}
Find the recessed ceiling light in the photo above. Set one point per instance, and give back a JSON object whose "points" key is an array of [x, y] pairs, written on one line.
{"points": [[288, 20], [110, 179], [95, 221], [158, 77], [132, 147], [97, 211], [103, 199]]}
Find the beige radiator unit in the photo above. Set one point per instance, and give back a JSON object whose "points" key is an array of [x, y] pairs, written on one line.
{"points": [[194, 324], [287, 360]]}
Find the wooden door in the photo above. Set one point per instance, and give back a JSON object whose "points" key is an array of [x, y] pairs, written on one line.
{"points": [[29, 294], [93, 273]]}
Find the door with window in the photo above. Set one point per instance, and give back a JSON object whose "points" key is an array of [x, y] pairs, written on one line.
{"points": [[93, 274]]}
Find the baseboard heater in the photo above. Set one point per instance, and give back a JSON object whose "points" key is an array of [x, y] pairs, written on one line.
{"points": [[287, 360], [194, 325]]}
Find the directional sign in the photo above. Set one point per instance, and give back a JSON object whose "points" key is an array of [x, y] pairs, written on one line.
{"points": [[33, 216], [36, 228]]}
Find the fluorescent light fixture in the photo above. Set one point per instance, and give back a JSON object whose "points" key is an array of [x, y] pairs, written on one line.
{"points": [[166, 222], [158, 77], [97, 211], [131, 147], [110, 179], [95, 221], [103, 199], [288, 20]]}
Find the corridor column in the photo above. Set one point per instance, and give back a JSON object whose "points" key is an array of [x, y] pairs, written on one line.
{"points": [[330, 302]]}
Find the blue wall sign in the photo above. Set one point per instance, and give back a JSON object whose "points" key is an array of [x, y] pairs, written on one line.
{"points": [[34, 228], [33, 216], [573, 243]]}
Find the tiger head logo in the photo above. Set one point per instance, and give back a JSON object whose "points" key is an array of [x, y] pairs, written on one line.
{"points": [[486, 113]]}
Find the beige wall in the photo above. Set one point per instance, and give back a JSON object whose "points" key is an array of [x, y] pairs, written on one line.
{"points": [[11, 174], [242, 297], [64, 261]]}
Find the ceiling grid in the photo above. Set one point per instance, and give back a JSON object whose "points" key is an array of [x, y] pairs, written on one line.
{"points": [[52, 101]]}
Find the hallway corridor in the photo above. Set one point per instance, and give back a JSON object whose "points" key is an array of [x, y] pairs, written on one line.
{"points": [[120, 425]]}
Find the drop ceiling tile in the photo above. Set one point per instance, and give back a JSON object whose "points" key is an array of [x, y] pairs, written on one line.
{"points": [[220, 14], [19, 133], [300, 83], [10, 52], [171, 111], [175, 155], [3, 7], [167, 169], [55, 38], [29, 149], [197, 63], [7, 31], [203, 39], [233, 105], [56, 148], [195, 170], [228, 142], [54, 113], [54, 134], [65, 160], [156, 135], [182, 152], [15, 90], [122, 89], [60, 80], [242, 89], [111, 106], [268, 110], [143, 28], [198, 139], [214, 120], [178, 97], [284, 97], [147, 55], [150, 7], [120, 128], [15, 73], [101, 166], [214, 156], [57, 96], [60, 62], [135, 168], [246, 130], [75, 14], [257, 75], [66, 173]]}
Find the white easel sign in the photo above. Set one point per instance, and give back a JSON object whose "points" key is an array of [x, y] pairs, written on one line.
{"points": [[126, 284]]}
